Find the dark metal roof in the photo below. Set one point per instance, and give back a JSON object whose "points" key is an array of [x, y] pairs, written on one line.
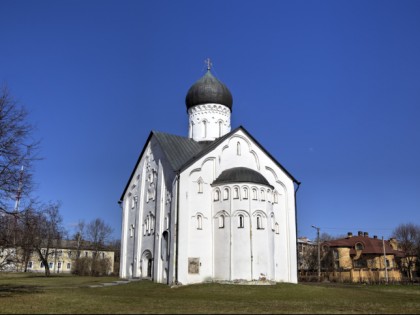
{"points": [[208, 89], [179, 150], [241, 175]]}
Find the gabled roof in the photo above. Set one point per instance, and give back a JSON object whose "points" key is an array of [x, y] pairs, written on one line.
{"points": [[181, 152]]}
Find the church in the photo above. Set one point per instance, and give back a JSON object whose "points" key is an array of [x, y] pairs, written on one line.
{"points": [[213, 206]]}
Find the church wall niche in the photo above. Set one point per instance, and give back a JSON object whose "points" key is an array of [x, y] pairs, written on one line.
{"points": [[241, 246], [221, 239]]}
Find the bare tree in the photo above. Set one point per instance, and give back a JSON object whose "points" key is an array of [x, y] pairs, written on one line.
{"points": [[17, 152], [98, 233], [408, 237], [79, 237], [47, 232]]}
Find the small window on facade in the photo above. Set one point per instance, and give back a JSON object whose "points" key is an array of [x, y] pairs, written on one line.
{"points": [[226, 194], [69, 253], [217, 195], [359, 246], [276, 197], [30, 264], [86, 254], [262, 195], [221, 221], [199, 222], [245, 193], [236, 193], [200, 186], [220, 128], [68, 266], [238, 148], [205, 128], [241, 221], [277, 228], [259, 223], [41, 265], [51, 265], [254, 194], [59, 265]]}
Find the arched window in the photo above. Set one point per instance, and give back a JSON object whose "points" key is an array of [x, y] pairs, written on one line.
{"points": [[221, 221], [276, 197], [254, 194], [200, 185], [259, 223], [359, 246], [262, 195], [277, 228], [236, 193], [241, 222], [245, 189], [205, 128], [199, 222], [216, 195], [226, 194], [238, 148], [220, 128]]}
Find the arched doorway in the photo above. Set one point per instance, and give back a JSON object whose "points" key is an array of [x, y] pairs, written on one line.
{"points": [[146, 264]]}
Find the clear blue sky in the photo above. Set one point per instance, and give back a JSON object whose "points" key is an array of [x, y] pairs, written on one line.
{"points": [[329, 88]]}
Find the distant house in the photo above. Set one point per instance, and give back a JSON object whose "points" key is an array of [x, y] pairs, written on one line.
{"points": [[61, 259], [305, 254], [362, 259]]}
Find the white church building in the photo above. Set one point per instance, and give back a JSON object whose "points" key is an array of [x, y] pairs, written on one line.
{"points": [[213, 206]]}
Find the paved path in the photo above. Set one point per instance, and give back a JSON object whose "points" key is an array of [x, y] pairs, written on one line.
{"points": [[108, 284]]}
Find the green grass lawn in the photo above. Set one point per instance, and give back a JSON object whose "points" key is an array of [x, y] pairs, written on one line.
{"points": [[34, 293]]}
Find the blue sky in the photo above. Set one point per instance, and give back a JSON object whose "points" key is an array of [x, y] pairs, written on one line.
{"points": [[329, 88]]}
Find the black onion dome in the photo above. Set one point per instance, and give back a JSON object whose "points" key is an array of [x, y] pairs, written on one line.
{"points": [[241, 175], [208, 89]]}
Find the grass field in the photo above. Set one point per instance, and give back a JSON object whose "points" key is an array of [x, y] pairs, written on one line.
{"points": [[33, 293]]}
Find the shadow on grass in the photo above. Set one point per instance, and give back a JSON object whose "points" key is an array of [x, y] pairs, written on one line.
{"points": [[11, 290]]}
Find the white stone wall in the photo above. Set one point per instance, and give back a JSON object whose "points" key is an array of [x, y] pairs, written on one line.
{"points": [[273, 248], [208, 122]]}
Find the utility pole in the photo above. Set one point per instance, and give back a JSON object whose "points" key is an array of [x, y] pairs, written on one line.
{"points": [[319, 252], [385, 264]]}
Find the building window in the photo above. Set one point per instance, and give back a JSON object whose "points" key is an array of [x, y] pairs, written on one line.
{"points": [[199, 222], [200, 185], [220, 128], [236, 193], [86, 254], [359, 246], [221, 221], [262, 195], [276, 197], [241, 222], [30, 265], [259, 223], [51, 265], [205, 128], [254, 194], [41, 265], [68, 266], [276, 226], [238, 148], [217, 195], [226, 194], [245, 193], [59, 265]]}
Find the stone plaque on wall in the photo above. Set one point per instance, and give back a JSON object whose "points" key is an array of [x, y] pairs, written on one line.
{"points": [[194, 265]]}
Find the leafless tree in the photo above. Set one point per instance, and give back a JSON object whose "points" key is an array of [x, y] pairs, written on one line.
{"points": [[79, 237], [17, 150], [47, 232], [98, 233], [408, 237]]}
